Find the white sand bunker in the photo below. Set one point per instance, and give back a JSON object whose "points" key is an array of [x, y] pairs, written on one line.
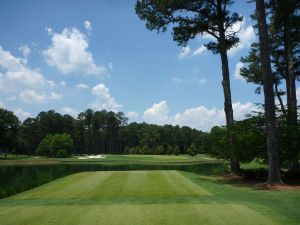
{"points": [[92, 157]]}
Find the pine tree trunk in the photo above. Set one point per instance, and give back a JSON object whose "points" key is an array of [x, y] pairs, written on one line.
{"points": [[280, 100], [234, 163], [291, 96], [274, 176]]}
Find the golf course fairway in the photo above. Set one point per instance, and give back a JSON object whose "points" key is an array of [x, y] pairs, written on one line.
{"points": [[129, 198]]}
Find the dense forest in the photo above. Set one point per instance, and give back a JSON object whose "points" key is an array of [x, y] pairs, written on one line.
{"points": [[99, 132]]}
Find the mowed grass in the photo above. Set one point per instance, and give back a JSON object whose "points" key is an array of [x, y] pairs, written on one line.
{"points": [[147, 198], [109, 159]]}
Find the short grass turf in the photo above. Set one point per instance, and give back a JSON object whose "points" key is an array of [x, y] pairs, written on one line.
{"points": [[147, 198], [109, 159]]}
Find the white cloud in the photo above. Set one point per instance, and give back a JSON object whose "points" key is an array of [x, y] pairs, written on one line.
{"points": [[82, 86], [157, 113], [192, 80], [103, 99], [184, 52], [25, 50], [88, 25], [55, 96], [62, 83], [21, 114], [69, 111], [69, 53], [132, 115], [200, 117], [17, 73], [246, 35], [237, 71], [240, 109], [200, 50], [31, 96], [298, 94], [49, 30], [51, 83]]}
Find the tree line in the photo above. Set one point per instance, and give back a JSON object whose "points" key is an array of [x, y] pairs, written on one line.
{"points": [[275, 58], [93, 132]]}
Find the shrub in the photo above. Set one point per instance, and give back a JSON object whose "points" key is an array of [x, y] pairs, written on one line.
{"points": [[58, 145], [176, 150], [192, 150]]}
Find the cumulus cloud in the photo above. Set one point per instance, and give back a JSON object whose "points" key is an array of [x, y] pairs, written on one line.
{"points": [[31, 96], [158, 113], [200, 50], [49, 30], [21, 114], [103, 99], [25, 50], [298, 94], [187, 51], [17, 74], [55, 96], [132, 115], [184, 52], [88, 25], [69, 53], [82, 86], [200, 117], [51, 83], [70, 111], [246, 35], [237, 71], [62, 83]]}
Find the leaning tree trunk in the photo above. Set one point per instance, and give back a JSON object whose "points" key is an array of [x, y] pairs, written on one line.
{"points": [[291, 96], [274, 176], [280, 99]]}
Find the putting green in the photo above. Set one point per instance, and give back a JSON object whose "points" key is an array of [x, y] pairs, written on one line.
{"points": [[124, 198]]}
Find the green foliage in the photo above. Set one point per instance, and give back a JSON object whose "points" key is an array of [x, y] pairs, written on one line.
{"points": [[189, 19], [159, 150], [9, 125], [58, 145], [192, 150], [45, 147], [176, 150]]}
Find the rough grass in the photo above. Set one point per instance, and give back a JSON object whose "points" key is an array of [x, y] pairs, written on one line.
{"points": [[147, 198]]}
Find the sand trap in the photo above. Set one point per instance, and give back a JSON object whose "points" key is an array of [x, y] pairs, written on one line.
{"points": [[92, 157]]}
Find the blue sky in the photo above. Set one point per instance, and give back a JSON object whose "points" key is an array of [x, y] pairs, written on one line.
{"points": [[73, 55]]}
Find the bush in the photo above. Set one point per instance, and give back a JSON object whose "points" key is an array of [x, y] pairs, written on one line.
{"points": [[58, 145], [192, 150], [159, 150], [176, 150]]}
